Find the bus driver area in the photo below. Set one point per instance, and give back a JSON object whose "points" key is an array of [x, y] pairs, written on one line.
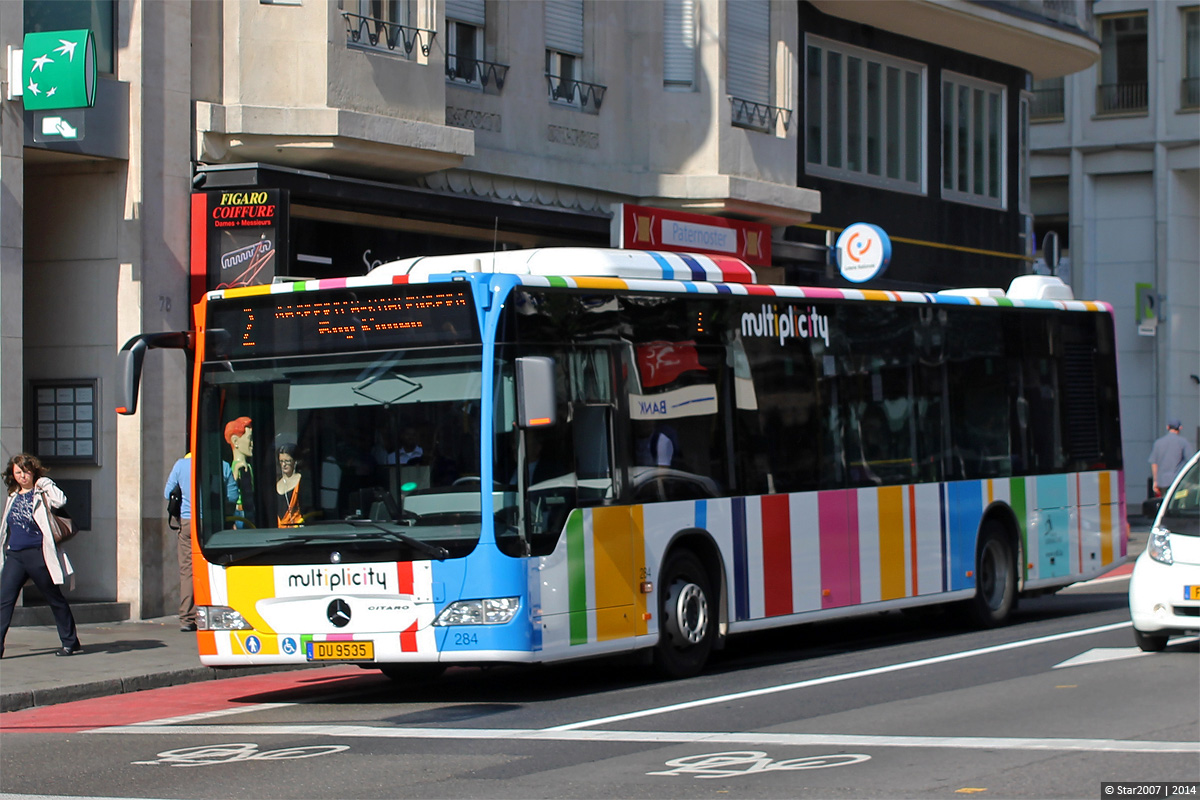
{"points": [[537, 455]]}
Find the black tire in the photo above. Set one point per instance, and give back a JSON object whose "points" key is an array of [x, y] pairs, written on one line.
{"points": [[687, 626], [412, 673], [1150, 642], [995, 578]]}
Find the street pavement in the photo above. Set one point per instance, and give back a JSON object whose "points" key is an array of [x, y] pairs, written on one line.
{"points": [[131, 656]]}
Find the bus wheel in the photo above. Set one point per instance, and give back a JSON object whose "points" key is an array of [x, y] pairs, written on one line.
{"points": [[686, 628], [412, 673], [995, 578]]}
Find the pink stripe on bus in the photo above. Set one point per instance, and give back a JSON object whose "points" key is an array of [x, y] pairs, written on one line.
{"points": [[838, 515]]}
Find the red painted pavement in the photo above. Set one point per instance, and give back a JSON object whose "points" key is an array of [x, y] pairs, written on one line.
{"points": [[192, 698]]}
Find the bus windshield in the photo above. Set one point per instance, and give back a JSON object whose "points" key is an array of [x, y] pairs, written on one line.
{"points": [[366, 456]]}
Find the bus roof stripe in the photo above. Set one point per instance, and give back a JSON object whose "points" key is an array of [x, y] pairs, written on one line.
{"points": [[699, 273], [667, 268]]}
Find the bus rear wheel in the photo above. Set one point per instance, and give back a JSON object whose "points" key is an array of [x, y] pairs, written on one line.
{"points": [[686, 627], [995, 578]]}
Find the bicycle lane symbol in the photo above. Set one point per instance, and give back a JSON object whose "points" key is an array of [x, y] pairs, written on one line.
{"points": [[734, 763], [210, 754]]}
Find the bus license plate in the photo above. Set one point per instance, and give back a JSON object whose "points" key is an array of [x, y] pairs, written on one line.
{"points": [[1191, 593], [341, 651]]}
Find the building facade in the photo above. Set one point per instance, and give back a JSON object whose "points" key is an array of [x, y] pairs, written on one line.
{"points": [[1115, 173], [251, 140]]}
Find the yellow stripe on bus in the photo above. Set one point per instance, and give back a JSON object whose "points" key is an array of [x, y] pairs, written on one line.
{"points": [[612, 570], [1106, 522], [891, 542]]}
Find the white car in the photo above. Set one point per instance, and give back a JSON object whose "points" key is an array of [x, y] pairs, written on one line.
{"points": [[1164, 590]]}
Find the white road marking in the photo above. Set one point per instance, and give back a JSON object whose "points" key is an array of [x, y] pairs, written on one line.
{"points": [[202, 715], [1098, 655], [671, 737], [846, 676]]}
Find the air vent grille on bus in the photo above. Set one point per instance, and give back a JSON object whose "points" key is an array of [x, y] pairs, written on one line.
{"points": [[1082, 423]]}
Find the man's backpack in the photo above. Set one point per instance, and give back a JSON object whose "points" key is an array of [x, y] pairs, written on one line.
{"points": [[175, 508]]}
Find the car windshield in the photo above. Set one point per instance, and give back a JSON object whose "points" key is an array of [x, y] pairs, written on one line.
{"points": [[1181, 512], [373, 455]]}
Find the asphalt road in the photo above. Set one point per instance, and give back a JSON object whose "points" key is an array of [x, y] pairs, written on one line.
{"points": [[890, 706]]}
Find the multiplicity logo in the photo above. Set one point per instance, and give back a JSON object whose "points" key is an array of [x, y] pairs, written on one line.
{"points": [[791, 322], [335, 578]]}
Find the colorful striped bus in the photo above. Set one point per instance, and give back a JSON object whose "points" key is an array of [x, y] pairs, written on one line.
{"points": [[548, 454]]}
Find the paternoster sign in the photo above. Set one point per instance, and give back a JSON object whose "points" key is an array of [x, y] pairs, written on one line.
{"points": [[646, 228], [60, 70]]}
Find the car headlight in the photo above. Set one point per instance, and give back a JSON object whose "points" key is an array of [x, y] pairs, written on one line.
{"points": [[220, 618], [1159, 546], [488, 611]]}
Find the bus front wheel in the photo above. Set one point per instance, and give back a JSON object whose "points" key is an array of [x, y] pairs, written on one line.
{"points": [[686, 626], [995, 578]]}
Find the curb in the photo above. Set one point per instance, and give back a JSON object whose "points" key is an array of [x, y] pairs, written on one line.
{"points": [[18, 701]]}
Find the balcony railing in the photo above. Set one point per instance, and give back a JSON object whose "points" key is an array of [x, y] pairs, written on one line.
{"points": [[1121, 98], [1189, 93], [1047, 103], [369, 31], [475, 72], [576, 93], [759, 116]]}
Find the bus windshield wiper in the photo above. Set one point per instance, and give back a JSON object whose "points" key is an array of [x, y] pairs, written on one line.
{"points": [[387, 534], [273, 547]]}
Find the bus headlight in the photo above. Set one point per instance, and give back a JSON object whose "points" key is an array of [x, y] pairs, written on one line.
{"points": [[488, 611], [220, 618]]}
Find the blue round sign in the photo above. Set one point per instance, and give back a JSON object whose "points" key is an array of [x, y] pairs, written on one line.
{"points": [[863, 252]]}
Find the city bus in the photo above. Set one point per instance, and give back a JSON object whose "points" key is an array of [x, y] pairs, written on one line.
{"points": [[548, 454]]}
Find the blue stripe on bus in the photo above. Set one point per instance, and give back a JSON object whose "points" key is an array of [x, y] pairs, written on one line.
{"points": [[741, 561], [702, 514], [689, 286], [722, 288], [1054, 532], [698, 272], [965, 512], [668, 270]]}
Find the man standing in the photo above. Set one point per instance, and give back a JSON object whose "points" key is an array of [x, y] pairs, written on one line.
{"points": [[1168, 455], [181, 477]]}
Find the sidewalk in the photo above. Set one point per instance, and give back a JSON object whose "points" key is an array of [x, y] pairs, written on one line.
{"points": [[129, 656], [117, 657]]}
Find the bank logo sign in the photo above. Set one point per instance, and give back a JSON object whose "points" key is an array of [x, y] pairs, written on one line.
{"points": [[863, 252], [59, 70]]}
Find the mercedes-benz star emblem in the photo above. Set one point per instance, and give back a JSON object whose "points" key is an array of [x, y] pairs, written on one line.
{"points": [[338, 613]]}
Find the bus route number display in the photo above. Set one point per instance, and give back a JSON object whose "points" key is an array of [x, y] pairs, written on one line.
{"points": [[321, 322]]}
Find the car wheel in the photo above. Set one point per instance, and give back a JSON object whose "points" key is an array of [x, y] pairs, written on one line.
{"points": [[995, 578], [1150, 642], [686, 626]]}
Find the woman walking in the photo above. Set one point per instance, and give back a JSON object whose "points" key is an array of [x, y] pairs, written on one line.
{"points": [[28, 551]]}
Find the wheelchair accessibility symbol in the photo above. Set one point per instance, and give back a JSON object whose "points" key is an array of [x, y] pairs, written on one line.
{"points": [[733, 763], [288, 646]]}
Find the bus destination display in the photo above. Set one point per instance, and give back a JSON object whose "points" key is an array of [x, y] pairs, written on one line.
{"points": [[349, 320]]}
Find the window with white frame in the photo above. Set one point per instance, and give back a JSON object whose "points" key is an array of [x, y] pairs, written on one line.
{"points": [[973, 140], [679, 44], [564, 49], [1189, 91], [464, 40], [864, 116]]}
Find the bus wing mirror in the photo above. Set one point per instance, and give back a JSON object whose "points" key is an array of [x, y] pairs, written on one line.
{"points": [[129, 363], [535, 392]]}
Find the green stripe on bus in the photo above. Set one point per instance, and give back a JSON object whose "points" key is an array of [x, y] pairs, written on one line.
{"points": [[557, 281], [577, 579], [1016, 494]]}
